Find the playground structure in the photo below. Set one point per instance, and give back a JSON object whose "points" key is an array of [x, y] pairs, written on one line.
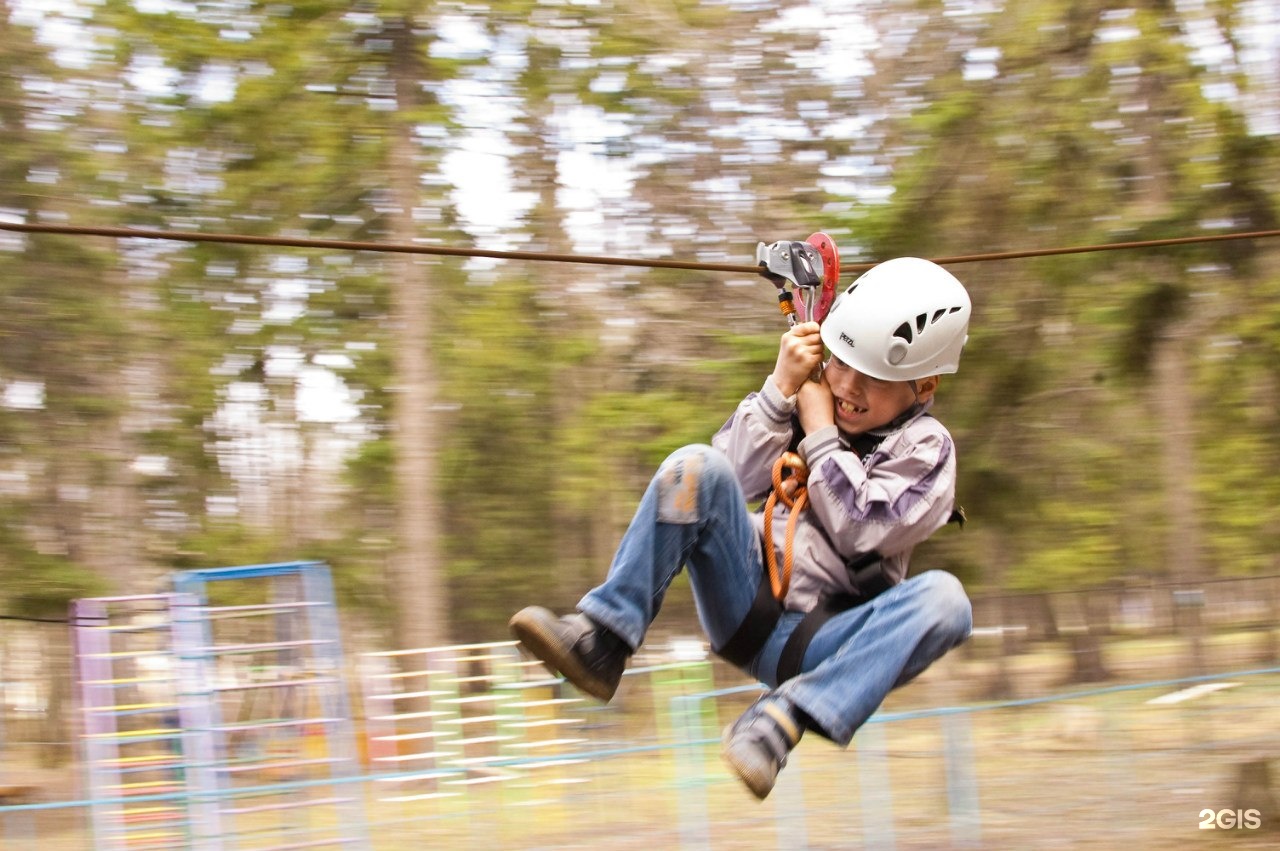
{"points": [[214, 704]]}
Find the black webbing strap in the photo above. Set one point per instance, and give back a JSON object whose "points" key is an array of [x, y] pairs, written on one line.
{"points": [[755, 629], [792, 657], [868, 578]]}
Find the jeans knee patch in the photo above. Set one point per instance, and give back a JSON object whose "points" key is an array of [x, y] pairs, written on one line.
{"points": [[678, 483]]}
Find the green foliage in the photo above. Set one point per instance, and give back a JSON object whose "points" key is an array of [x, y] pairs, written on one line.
{"points": [[227, 544], [37, 584], [46, 586], [371, 471]]}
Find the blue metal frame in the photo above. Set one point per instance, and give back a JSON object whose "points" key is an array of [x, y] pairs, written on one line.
{"points": [[318, 633]]}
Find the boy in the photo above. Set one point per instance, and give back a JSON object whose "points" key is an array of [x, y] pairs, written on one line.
{"points": [[836, 627]]}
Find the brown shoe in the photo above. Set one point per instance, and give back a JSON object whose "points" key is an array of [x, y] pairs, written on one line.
{"points": [[586, 654], [757, 744]]}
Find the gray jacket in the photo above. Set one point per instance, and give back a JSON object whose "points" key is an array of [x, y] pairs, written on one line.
{"points": [[897, 496]]}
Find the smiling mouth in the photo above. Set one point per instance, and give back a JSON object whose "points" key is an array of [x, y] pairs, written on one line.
{"points": [[848, 408]]}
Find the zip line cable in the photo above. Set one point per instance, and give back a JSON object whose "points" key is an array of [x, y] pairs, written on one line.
{"points": [[542, 256], [390, 247], [25, 619]]}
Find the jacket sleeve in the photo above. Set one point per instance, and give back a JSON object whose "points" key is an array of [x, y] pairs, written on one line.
{"points": [[759, 431], [888, 502]]}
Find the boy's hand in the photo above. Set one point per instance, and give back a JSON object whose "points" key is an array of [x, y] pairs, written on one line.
{"points": [[798, 355], [815, 406]]}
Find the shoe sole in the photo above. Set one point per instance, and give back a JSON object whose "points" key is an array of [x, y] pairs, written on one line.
{"points": [[760, 781], [530, 628]]}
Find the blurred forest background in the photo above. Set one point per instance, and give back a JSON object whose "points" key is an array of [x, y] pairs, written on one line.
{"points": [[458, 438]]}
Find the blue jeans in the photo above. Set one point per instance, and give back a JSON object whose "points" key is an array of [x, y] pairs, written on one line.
{"points": [[694, 514]]}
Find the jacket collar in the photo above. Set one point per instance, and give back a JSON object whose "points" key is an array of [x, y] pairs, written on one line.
{"points": [[866, 443]]}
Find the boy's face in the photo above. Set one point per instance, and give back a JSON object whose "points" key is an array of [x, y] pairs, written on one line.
{"points": [[863, 403]]}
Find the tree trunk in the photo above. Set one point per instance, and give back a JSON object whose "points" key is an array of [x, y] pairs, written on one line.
{"points": [[418, 579], [1087, 649], [54, 750], [1183, 551]]}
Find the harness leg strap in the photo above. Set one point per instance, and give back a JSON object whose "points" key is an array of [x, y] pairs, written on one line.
{"points": [[792, 658], [871, 582], [749, 638]]}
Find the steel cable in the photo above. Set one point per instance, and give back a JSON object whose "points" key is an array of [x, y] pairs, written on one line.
{"points": [[551, 257]]}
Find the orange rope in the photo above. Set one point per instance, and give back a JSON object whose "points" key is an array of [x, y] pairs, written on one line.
{"points": [[794, 494]]}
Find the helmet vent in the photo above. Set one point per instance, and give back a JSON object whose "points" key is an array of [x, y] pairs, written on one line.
{"points": [[903, 331], [920, 320]]}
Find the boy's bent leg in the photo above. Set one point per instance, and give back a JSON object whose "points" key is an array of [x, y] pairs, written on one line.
{"points": [[694, 511], [861, 655]]}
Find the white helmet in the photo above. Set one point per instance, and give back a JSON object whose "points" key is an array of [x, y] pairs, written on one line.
{"points": [[902, 320]]}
